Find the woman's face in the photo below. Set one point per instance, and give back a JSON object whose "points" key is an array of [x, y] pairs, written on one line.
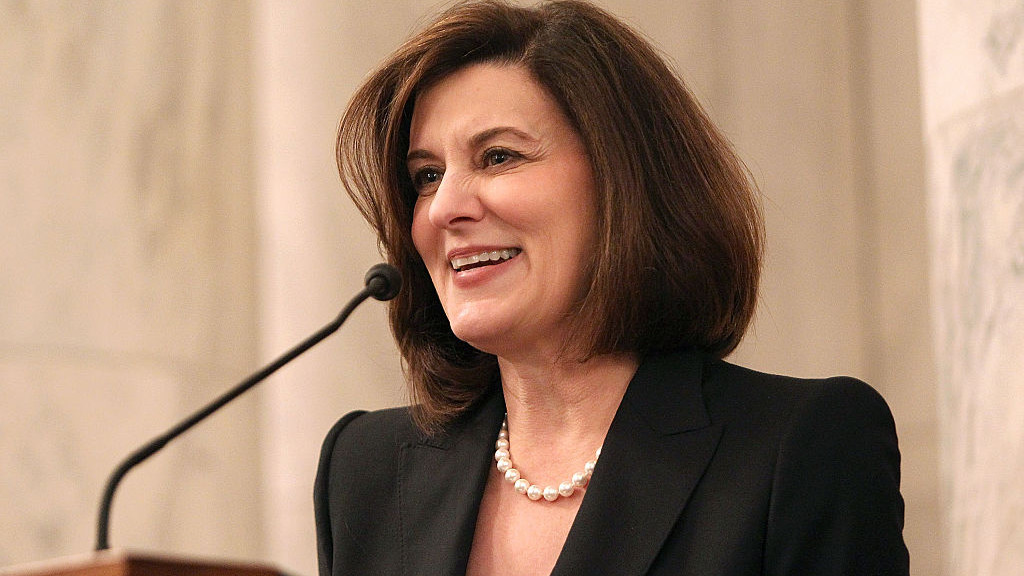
{"points": [[505, 218]]}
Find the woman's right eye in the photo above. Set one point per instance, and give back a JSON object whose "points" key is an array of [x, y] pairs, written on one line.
{"points": [[426, 179]]}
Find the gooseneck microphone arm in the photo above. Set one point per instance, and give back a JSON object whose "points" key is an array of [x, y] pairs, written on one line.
{"points": [[382, 282]]}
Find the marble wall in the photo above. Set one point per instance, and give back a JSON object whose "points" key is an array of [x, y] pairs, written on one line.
{"points": [[973, 88], [127, 261]]}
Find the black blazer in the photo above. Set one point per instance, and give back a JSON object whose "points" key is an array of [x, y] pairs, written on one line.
{"points": [[708, 469]]}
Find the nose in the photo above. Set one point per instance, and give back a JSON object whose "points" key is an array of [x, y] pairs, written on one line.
{"points": [[456, 201]]}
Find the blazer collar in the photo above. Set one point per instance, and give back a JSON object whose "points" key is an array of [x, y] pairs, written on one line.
{"points": [[441, 482], [658, 446]]}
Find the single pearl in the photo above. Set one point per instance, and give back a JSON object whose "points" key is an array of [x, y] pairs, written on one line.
{"points": [[589, 467], [501, 453], [501, 444], [534, 492], [504, 464], [503, 434], [566, 489], [512, 475], [521, 485], [579, 479], [550, 493]]}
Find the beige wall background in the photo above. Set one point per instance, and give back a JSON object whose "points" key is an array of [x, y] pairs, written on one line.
{"points": [[170, 218]]}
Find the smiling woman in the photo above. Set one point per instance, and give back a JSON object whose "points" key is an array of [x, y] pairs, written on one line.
{"points": [[581, 248]]}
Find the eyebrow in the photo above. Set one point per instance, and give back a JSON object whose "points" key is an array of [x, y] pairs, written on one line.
{"points": [[477, 139]]}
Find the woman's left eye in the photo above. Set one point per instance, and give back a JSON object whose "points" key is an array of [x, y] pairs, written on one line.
{"points": [[496, 156]]}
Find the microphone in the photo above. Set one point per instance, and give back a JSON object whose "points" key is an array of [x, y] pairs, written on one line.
{"points": [[383, 282]]}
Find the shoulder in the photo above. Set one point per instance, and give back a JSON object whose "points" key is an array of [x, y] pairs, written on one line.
{"points": [[836, 405], [698, 388], [362, 445], [689, 390], [363, 433], [720, 373], [831, 454], [836, 426]]}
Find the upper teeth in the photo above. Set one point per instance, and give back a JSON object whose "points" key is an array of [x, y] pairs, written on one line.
{"points": [[492, 256]]}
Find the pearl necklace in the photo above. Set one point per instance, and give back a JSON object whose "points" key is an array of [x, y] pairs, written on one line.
{"points": [[533, 491]]}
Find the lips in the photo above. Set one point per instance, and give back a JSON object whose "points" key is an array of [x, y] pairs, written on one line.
{"points": [[483, 258]]}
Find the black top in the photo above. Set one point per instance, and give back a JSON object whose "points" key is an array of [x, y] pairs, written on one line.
{"points": [[708, 469]]}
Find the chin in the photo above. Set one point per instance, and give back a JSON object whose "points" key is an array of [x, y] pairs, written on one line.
{"points": [[479, 325], [486, 339], [480, 341]]}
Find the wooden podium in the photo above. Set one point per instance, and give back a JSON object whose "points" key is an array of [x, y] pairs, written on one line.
{"points": [[123, 563]]}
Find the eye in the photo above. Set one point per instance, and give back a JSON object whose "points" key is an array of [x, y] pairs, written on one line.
{"points": [[425, 179], [498, 156]]}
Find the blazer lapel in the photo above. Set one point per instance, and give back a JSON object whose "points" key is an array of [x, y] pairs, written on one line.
{"points": [[658, 446], [441, 482]]}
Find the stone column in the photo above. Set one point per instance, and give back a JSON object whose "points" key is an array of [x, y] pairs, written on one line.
{"points": [[314, 248]]}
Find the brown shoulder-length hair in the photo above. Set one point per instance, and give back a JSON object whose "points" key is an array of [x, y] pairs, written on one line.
{"points": [[679, 224]]}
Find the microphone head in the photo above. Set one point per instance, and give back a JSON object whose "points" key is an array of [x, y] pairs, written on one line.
{"points": [[384, 281]]}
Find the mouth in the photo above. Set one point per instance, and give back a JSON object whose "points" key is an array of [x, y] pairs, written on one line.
{"points": [[486, 258]]}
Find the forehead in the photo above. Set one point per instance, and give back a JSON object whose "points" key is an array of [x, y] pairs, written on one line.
{"points": [[482, 96]]}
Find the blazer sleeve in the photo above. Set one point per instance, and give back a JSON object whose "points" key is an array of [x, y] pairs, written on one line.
{"points": [[836, 507]]}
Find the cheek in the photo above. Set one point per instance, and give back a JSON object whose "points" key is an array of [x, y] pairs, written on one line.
{"points": [[422, 232]]}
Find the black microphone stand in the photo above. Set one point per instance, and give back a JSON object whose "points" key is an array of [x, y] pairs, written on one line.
{"points": [[382, 282]]}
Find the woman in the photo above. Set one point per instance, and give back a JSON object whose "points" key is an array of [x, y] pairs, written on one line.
{"points": [[581, 248]]}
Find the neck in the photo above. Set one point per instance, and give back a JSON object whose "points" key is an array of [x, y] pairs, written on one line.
{"points": [[565, 402]]}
